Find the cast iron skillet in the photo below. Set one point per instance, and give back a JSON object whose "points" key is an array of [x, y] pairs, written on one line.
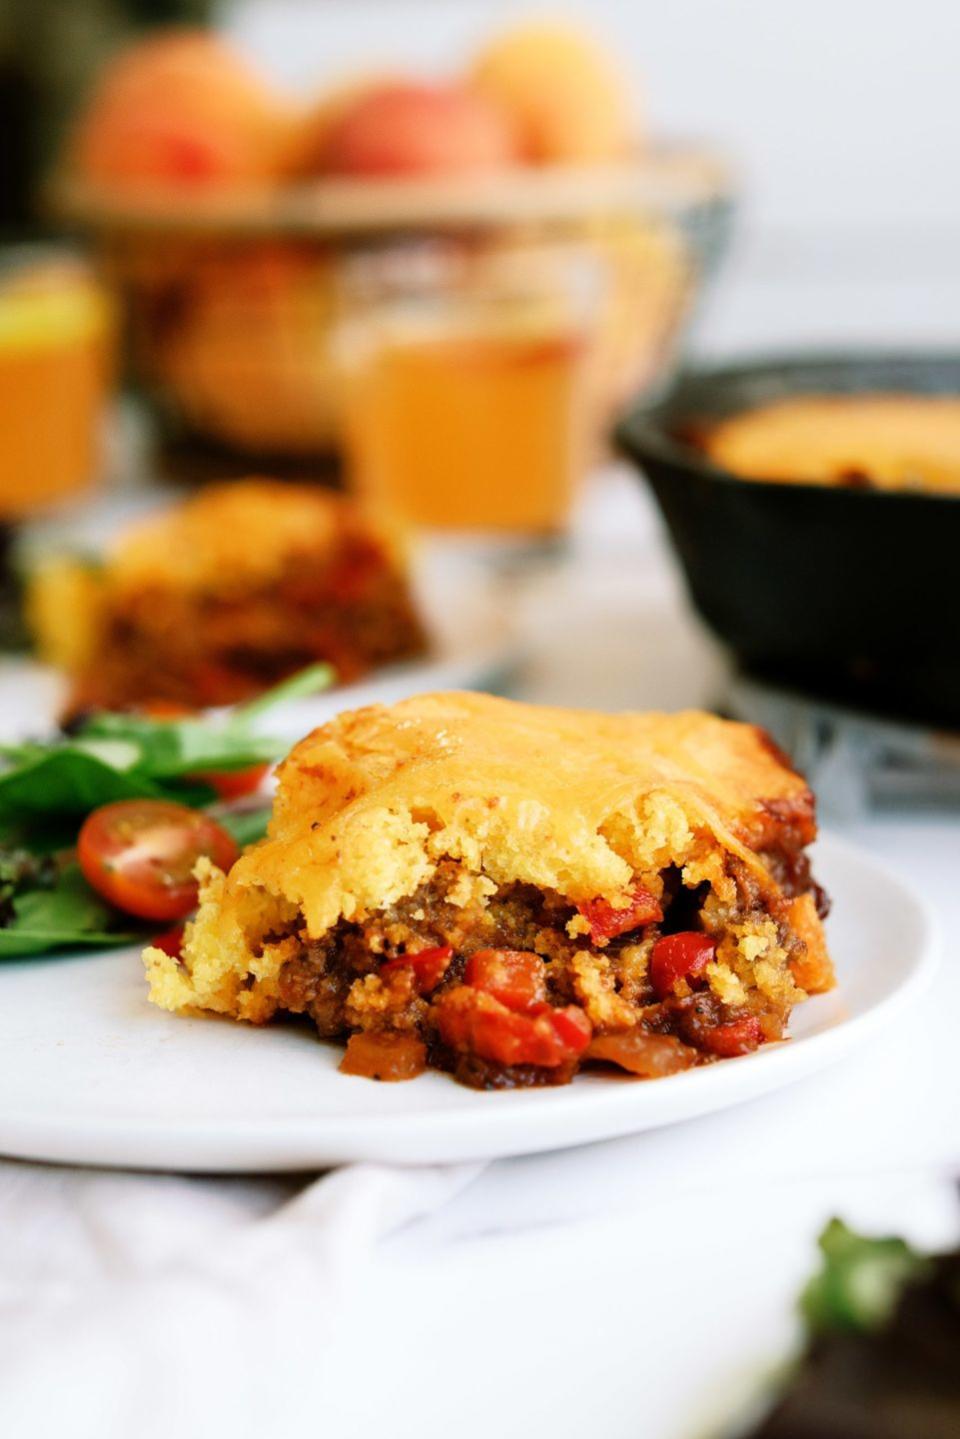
{"points": [[853, 594]]}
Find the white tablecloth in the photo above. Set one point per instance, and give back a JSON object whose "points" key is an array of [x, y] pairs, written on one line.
{"points": [[636, 1289]]}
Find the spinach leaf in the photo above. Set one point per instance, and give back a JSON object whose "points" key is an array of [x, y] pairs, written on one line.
{"points": [[67, 781], [245, 825], [121, 756], [19, 871], [171, 749], [67, 916]]}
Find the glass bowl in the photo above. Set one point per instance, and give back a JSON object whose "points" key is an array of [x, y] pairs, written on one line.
{"points": [[231, 301]]}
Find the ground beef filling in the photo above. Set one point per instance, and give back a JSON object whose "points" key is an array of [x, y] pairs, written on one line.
{"points": [[358, 981]]}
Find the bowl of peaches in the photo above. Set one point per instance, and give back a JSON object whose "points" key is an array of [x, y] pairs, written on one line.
{"points": [[228, 216]]}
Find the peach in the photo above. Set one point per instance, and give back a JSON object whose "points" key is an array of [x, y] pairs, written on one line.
{"points": [[308, 149], [569, 101], [415, 128], [181, 107]]}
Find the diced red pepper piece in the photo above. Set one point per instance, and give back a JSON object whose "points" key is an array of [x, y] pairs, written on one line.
{"points": [[608, 922], [388, 1056], [679, 956], [428, 965], [572, 1027], [739, 1036], [469, 1019], [170, 941], [514, 976]]}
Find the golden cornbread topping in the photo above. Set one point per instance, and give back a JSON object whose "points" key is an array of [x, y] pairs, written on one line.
{"points": [[882, 441], [650, 868], [243, 532]]}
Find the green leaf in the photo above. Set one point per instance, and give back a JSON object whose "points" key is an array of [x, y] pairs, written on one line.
{"points": [[171, 749], [313, 680], [68, 916], [47, 789], [121, 756], [245, 825], [860, 1280], [67, 780]]}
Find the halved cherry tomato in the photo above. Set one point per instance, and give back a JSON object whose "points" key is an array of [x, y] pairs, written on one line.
{"points": [[170, 941], [649, 1056], [739, 1036], [388, 1056], [608, 922], [679, 956], [428, 965], [140, 853], [514, 976], [469, 1019], [233, 783]]}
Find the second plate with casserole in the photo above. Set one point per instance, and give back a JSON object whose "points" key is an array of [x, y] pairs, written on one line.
{"points": [[473, 647]]}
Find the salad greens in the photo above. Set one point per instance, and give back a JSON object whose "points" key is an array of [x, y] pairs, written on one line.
{"points": [[859, 1281], [67, 913], [122, 756], [48, 787], [20, 871], [880, 1361]]}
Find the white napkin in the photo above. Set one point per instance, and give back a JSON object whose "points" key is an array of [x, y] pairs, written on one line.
{"points": [[135, 1307], [139, 1306]]}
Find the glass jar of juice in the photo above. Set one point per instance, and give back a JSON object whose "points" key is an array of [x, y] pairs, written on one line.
{"points": [[466, 385], [55, 361]]}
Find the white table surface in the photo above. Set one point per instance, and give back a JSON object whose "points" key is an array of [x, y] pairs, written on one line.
{"points": [[630, 1289]]}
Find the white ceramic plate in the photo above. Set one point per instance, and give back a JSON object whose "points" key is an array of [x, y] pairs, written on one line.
{"points": [[92, 1074], [465, 611]]}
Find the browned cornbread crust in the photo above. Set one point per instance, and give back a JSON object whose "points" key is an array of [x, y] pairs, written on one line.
{"points": [[477, 823], [882, 441]]}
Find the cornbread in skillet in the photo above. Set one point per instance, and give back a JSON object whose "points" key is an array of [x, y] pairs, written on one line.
{"points": [[882, 441], [507, 891], [224, 594]]}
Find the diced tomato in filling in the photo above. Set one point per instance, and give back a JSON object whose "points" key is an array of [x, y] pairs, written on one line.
{"points": [[428, 965], [679, 956], [234, 783], [474, 1021], [161, 709], [388, 1056], [608, 922], [646, 1055], [514, 976], [739, 1036], [170, 941]]}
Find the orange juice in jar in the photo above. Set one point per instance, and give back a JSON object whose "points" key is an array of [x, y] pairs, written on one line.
{"points": [[55, 347], [467, 396]]}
